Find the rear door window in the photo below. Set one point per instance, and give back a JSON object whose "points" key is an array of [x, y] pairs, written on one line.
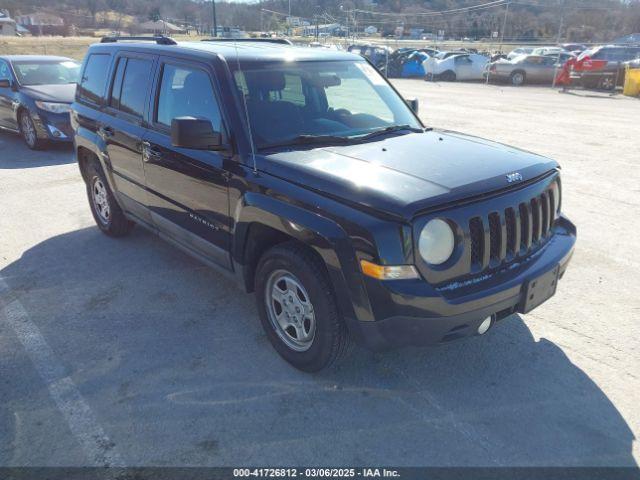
{"points": [[130, 94], [116, 89], [94, 78]]}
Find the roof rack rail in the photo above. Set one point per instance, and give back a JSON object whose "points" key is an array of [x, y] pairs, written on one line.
{"points": [[159, 39], [281, 41]]}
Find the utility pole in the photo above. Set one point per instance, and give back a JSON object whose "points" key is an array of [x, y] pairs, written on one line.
{"points": [[504, 25], [555, 72], [355, 25], [215, 20], [561, 22]]}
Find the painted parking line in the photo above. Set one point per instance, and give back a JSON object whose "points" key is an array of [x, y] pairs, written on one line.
{"points": [[97, 446]]}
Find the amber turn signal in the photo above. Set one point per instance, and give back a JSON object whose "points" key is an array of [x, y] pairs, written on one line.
{"points": [[385, 272]]}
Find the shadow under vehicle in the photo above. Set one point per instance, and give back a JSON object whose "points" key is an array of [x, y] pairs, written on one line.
{"points": [[153, 355]]}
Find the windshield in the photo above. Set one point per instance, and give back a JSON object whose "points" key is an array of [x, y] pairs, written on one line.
{"points": [[46, 72], [333, 100]]}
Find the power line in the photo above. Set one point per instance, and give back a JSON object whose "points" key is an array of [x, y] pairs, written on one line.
{"points": [[483, 6]]}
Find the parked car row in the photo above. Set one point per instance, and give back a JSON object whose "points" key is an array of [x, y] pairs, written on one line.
{"points": [[601, 67], [597, 67], [36, 91]]}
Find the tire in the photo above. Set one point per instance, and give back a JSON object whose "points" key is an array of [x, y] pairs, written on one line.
{"points": [[448, 76], [607, 82], [29, 132], [106, 211], [518, 78], [291, 280]]}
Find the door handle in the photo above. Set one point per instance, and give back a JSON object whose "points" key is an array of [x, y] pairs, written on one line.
{"points": [[149, 152], [105, 131]]}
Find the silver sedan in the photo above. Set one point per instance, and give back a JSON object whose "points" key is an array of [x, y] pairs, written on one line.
{"points": [[527, 68]]}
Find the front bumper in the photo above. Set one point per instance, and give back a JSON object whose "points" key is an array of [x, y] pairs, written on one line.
{"points": [[55, 127], [412, 312]]}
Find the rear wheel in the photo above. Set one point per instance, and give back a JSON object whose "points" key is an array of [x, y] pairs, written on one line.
{"points": [[29, 132], [607, 83], [298, 309], [518, 78], [448, 76], [106, 212]]}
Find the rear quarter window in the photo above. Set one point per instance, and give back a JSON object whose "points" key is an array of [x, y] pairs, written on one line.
{"points": [[93, 82], [130, 90]]}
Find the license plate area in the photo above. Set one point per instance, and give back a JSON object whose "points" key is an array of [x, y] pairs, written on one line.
{"points": [[539, 290]]}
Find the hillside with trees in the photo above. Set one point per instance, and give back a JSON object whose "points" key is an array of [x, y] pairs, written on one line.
{"points": [[581, 20]]}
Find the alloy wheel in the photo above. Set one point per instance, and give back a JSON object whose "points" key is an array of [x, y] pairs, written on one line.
{"points": [[517, 79], [100, 200], [28, 130], [290, 311]]}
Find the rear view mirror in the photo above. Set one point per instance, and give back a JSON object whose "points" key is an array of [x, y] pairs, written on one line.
{"points": [[413, 105], [326, 81], [5, 83], [194, 133]]}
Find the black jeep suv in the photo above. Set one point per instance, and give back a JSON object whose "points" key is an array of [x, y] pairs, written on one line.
{"points": [[304, 175]]}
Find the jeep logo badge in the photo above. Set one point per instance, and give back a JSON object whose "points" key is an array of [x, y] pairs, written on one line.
{"points": [[514, 177]]}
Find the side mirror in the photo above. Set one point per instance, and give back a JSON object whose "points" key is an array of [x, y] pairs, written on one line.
{"points": [[6, 83], [194, 133], [414, 105]]}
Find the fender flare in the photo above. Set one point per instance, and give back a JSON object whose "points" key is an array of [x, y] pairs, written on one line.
{"points": [[94, 143], [325, 236]]}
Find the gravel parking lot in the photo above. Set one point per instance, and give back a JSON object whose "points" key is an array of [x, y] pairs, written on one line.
{"points": [[128, 352]]}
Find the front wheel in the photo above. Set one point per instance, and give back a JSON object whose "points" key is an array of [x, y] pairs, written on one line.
{"points": [[298, 309], [29, 132]]}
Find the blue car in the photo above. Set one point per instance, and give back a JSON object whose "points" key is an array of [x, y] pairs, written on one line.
{"points": [[36, 92], [413, 66]]}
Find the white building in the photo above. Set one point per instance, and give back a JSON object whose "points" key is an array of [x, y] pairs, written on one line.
{"points": [[7, 25], [40, 19]]}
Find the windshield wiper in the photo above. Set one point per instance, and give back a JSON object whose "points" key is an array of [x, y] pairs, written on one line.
{"points": [[391, 129], [308, 140]]}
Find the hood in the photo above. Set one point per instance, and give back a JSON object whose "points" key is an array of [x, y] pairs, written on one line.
{"points": [[405, 174], [51, 93]]}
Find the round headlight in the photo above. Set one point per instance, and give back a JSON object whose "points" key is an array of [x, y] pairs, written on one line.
{"points": [[436, 242]]}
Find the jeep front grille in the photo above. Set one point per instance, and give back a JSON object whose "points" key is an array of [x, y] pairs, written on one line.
{"points": [[496, 231], [516, 231]]}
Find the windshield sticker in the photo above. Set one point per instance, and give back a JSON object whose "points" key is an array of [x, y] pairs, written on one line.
{"points": [[371, 73]]}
